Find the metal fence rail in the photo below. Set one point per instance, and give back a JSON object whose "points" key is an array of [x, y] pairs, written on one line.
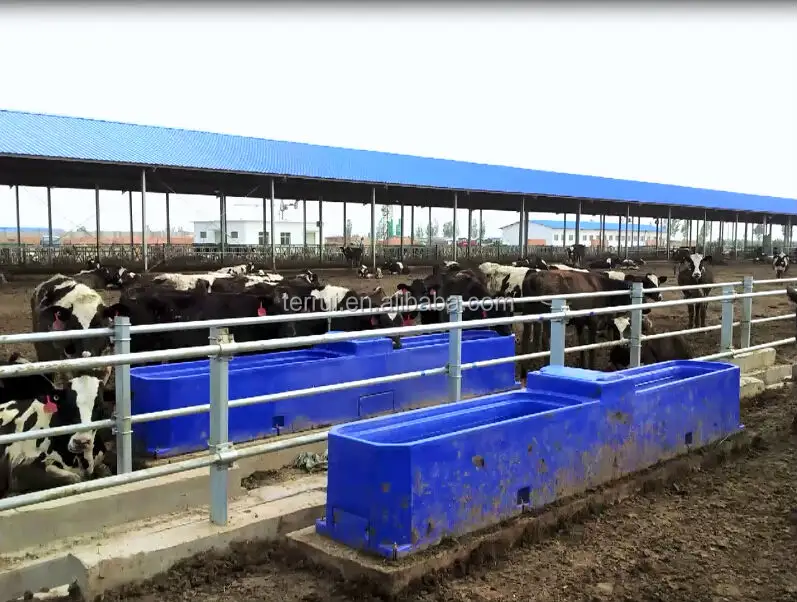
{"points": [[220, 350]]}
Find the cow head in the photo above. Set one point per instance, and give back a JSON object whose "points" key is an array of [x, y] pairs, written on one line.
{"points": [[696, 264], [780, 263], [362, 271], [648, 281], [56, 318], [77, 400]]}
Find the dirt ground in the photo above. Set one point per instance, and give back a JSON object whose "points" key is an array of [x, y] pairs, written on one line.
{"points": [[725, 534], [15, 308]]}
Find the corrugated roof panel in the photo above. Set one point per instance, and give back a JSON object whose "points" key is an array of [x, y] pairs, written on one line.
{"points": [[37, 135]]}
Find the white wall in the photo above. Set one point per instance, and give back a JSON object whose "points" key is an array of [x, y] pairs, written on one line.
{"points": [[553, 236], [247, 232]]}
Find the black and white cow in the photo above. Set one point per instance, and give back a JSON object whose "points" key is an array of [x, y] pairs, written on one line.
{"points": [[680, 256], [576, 254], [365, 272], [530, 262], [395, 267], [240, 270], [696, 271], [52, 461], [61, 303], [780, 264], [353, 255], [651, 352]]}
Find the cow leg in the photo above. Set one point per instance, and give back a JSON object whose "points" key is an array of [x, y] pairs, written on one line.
{"points": [[35, 477]]}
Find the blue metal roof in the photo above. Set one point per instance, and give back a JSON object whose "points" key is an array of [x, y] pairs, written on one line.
{"points": [[585, 225], [28, 230], [79, 139]]}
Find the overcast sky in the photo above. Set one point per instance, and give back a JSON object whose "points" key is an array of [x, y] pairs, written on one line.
{"points": [[703, 97]]}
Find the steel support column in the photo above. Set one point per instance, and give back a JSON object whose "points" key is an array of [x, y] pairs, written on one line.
{"points": [[144, 218], [97, 220], [304, 226], [401, 231], [273, 232], [19, 226], [50, 223], [223, 228], [132, 227], [264, 239], [627, 219], [373, 227], [669, 229], [578, 224], [320, 229], [168, 222], [470, 231], [520, 230], [454, 228]]}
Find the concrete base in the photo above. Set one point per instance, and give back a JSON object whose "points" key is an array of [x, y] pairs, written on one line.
{"points": [[754, 360], [90, 512], [751, 387], [392, 577], [140, 550]]}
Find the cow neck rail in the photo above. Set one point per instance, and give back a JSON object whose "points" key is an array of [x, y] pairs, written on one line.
{"points": [[253, 346]]}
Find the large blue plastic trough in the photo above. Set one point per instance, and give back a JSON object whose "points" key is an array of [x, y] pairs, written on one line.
{"points": [[400, 483], [184, 384]]}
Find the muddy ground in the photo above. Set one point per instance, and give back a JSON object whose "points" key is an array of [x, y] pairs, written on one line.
{"points": [[725, 534]]}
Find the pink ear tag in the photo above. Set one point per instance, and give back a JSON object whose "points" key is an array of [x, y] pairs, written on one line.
{"points": [[407, 322], [49, 406], [374, 321], [261, 311], [57, 323]]}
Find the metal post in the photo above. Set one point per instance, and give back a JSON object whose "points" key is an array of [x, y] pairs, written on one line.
{"points": [[218, 441], [619, 234], [602, 225], [19, 226], [521, 232], [273, 231], [401, 231], [744, 244], [736, 237], [455, 350], [771, 242], [564, 230], [726, 333], [345, 223], [705, 231], [264, 242], [627, 219], [557, 334], [429, 231], [97, 219], [50, 223], [747, 314], [223, 228], [578, 224], [124, 430], [320, 229], [638, 235], [132, 227], [144, 218], [669, 229], [525, 232], [658, 222], [481, 227], [454, 229], [373, 227], [168, 222], [635, 339], [470, 231], [304, 225], [787, 237], [412, 227]]}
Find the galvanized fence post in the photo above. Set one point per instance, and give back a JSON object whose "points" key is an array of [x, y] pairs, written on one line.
{"points": [[635, 338], [455, 349], [726, 334], [123, 409], [557, 357], [219, 432], [747, 314]]}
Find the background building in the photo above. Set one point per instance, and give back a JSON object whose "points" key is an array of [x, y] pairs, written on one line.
{"points": [[250, 232], [551, 233]]}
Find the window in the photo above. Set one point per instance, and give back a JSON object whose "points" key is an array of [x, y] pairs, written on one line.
{"points": [[203, 235], [234, 234], [556, 237], [569, 237], [285, 238], [260, 240]]}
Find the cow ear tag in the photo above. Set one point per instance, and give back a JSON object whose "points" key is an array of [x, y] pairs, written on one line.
{"points": [[57, 323], [49, 406], [374, 321], [261, 311]]}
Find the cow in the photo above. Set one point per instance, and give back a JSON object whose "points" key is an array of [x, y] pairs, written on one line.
{"points": [[61, 303], [530, 262], [468, 284], [354, 255], [680, 256], [364, 272], [607, 263], [52, 461], [231, 299], [651, 352], [307, 275], [395, 267], [780, 264], [242, 269], [109, 275], [696, 271], [649, 281], [576, 254]]}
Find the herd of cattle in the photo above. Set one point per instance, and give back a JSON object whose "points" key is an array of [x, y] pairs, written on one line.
{"points": [[30, 403]]}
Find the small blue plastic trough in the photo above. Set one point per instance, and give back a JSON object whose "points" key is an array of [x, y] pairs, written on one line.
{"points": [[184, 384], [400, 483]]}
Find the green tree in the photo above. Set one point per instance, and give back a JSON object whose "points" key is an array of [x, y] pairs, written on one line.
{"points": [[476, 232], [448, 229], [433, 229], [420, 233]]}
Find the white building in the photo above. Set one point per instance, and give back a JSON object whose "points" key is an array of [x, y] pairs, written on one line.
{"points": [[250, 232], [554, 233]]}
